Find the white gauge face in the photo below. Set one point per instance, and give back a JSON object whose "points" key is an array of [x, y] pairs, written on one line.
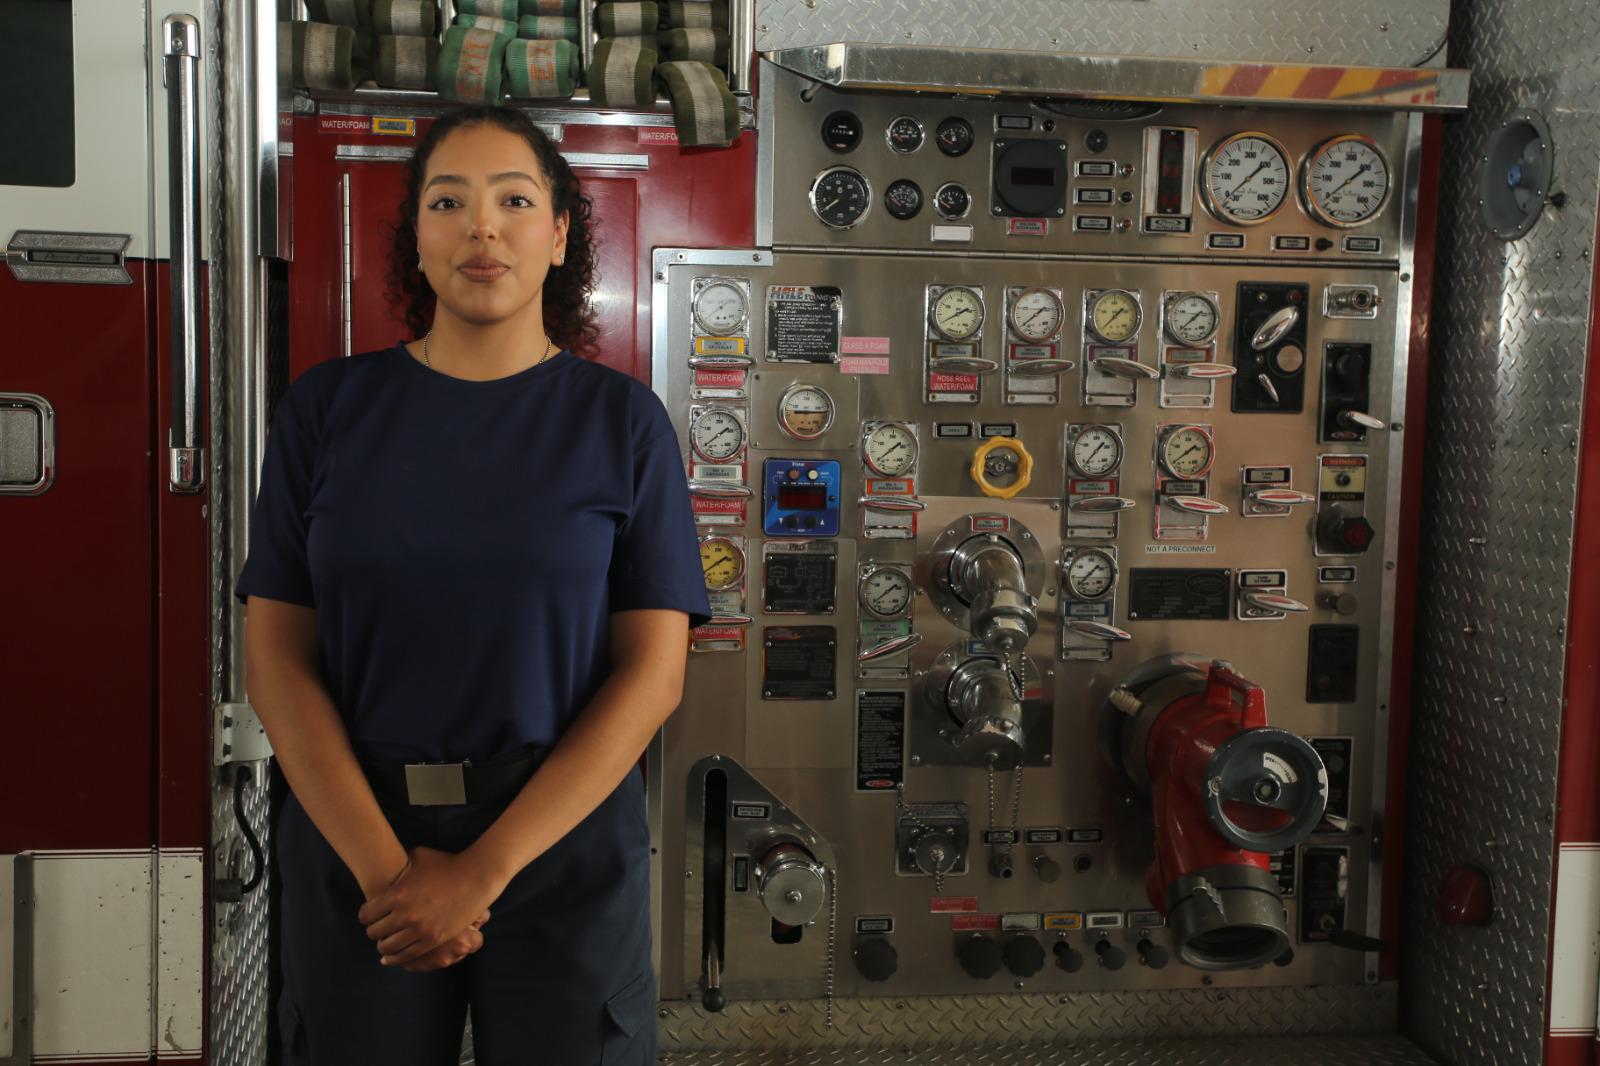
{"points": [[1245, 179], [1036, 315], [720, 308], [958, 313], [891, 450], [1096, 451], [805, 412], [1192, 318], [1091, 574], [1346, 181], [1186, 452], [1114, 316], [722, 562], [886, 592], [718, 435]]}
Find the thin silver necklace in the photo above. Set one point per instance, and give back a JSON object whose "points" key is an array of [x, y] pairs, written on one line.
{"points": [[548, 345]]}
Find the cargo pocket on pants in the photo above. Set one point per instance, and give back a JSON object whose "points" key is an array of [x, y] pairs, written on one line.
{"points": [[292, 1031], [630, 1024]]}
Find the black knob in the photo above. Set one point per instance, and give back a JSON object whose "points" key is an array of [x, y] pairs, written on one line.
{"points": [[1349, 534], [1323, 244], [1111, 956], [980, 956], [1350, 367], [713, 1000], [1096, 140], [876, 958], [1047, 868], [1024, 956], [1068, 959], [1152, 955]]}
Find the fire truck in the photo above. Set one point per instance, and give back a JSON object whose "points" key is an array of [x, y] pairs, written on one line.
{"points": [[1141, 459]]}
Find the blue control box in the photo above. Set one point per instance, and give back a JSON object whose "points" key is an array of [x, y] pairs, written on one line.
{"points": [[800, 497]]}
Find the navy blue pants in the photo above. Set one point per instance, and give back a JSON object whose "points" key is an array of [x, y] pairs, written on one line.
{"points": [[563, 978]]}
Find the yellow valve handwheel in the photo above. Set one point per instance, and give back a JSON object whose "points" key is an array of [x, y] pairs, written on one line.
{"points": [[1024, 467]]}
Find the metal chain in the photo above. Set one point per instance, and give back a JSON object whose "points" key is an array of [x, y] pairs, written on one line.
{"points": [[1013, 673], [1016, 805], [903, 810], [833, 924]]}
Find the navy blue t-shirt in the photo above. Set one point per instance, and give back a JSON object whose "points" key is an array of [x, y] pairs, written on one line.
{"points": [[465, 542]]}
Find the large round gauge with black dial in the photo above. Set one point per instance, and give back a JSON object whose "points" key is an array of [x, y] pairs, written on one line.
{"points": [[954, 136], [952, 201], [903, 199], [841, 197]]}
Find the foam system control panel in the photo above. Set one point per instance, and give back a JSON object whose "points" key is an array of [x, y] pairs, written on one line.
{"points": [[1046, 471]]}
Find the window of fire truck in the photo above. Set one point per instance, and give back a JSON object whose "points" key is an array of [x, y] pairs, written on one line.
{"points": [[36, 120]]}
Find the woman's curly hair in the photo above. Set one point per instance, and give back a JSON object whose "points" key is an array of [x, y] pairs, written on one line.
{"points": [[569, 317]]}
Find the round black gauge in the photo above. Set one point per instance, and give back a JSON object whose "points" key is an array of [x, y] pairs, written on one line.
{"points": [[904, 134], [840, 197], [841, 131], [955, 136], [903, 199], [952, 201]]}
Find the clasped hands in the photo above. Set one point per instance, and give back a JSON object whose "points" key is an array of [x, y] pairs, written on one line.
{"points": [[432, 913]]}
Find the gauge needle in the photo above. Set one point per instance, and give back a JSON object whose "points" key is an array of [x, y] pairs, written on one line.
{"points": [[1187, 452], [1033, 316], [829, 205], [1362, 169], [1234, 195], [1193, 318], [1098, 449]]}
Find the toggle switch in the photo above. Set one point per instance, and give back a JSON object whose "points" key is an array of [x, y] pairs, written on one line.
{"points": [[1151, 954], [1111, 956]]}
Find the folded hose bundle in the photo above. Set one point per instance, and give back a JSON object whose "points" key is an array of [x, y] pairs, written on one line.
{"points": [[697, 14], [620, 72], [547, 28], [504, 27], [405, 18], [314, 55], [405, 62], [549, 7], [541, 68], [500, 9], [357, 13], [471, 65], [638, 18], [698, 45], [703, 109]]}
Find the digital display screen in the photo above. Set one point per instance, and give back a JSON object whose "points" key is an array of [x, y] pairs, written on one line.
{"points": [[1035, 176], [802, 497]]}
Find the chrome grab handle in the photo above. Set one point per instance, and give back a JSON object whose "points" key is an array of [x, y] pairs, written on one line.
{"points": [[1202, 370], [1126, 368], [720, 362], [715, 491], [1360, 418], [963, 364], [1273, 329], [904, 642], [891, 503], [1098, 630], [180, 34], [1041, 368], [1196, 505], [1101, 504]]}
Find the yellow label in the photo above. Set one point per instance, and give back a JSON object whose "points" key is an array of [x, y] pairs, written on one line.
{"points": [[719, 345], [394, 127], [1068, 920]]}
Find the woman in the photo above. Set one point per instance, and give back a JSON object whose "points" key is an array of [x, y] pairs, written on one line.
{"points": [[471, 573]]}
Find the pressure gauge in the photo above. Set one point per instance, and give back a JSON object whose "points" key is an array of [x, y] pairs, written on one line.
{"points": [[958, 313], [1192, 318], [903, 199], [1036, 315], [904, 134], [1244, 179], [885, 591], [1096, 451], [717, 435], [805, 412], [954, 136], [952, 201], [1114, 316], [1186, 452], [722, 562], [720, 308], [890, 449], [840, 197], [1091, 574], [1345, 181]]}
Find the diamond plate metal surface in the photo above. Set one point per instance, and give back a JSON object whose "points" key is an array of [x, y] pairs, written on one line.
{"points": [[1341, 1051], [944, 1023], [238, 995], [1511, 335], [1400, 33]]}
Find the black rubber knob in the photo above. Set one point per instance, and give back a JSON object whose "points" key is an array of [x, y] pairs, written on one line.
{"points": [[1047, 868], [1152, 955], [1024, 956], [1350, 367], [876, 958], [980, 957], [1068, 959], [1111, 956], [1348, 534], [713, 1000]]}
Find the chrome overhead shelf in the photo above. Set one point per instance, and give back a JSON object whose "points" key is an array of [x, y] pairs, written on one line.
{"points": [[995, 72]]}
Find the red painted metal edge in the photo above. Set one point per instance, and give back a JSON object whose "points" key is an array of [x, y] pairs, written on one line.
{"points": [[1578, 787], [1406, 563]]}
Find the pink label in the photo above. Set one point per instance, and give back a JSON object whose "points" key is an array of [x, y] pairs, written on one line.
{"points": [[712, 505], [938, 381], [719, 633], [719, 379], [657, 135], [967, 923], [859, 364], [952, 904], [1092, 488], [863, 345], [1027, 227]]}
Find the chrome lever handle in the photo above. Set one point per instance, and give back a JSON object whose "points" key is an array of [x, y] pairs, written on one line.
{"points": [[1202, 370], [1273, 329], [1117, 366], [720, 362], [891, 503], [1267, 386], [717, 491], [1360, 418], [181, 71], [899, 644], [962, 364], [731, 620], [1098, 630], [1281, 497], [1196, 505], [1101, 504], [1041, 368], [1274, 601]]}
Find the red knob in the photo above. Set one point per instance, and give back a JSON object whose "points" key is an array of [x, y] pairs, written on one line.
{"points": [[1465, 897]]}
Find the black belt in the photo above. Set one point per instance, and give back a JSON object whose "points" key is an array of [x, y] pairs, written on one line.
{"points": [[451, 783]]}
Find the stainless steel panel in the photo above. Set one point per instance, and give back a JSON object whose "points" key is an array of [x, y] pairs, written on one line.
{"points": [[1304, 1051], [1401, 33], [1511, 332]]}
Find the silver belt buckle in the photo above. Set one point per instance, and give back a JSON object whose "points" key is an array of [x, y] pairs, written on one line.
{"points": [[431, 784]]}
